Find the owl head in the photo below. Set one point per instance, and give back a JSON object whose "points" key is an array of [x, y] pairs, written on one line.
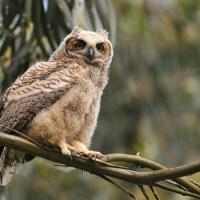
{"points": [[91, 47]]}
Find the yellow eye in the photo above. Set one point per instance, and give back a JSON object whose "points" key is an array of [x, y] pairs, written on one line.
{"points": [[100, 47], [79, 45]]}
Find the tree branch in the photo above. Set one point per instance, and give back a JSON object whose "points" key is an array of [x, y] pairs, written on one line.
{"points": [[145, 163], [103, 168]]}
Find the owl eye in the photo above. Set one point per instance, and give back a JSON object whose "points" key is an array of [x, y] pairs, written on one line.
{"points": [[100, 47], [79, 45]]}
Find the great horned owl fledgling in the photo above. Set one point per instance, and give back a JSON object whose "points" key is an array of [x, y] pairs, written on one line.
{"points": [[57, 102]]}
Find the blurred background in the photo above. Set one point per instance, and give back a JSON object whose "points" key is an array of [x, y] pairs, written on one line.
{"points": [[152, 102]]}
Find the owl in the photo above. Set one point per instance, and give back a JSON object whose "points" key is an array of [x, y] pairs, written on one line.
{"points": [[56, 103]]}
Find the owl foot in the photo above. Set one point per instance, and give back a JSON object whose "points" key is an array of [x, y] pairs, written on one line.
{"points": [[82, 150], [91, 154]]}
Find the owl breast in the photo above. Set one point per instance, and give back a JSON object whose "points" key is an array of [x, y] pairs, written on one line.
{"points": [[73, 116]]}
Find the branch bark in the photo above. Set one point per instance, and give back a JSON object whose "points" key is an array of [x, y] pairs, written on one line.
{"points": [[104, 168]]}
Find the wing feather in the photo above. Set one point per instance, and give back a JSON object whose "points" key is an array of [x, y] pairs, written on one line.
{"points": [[43, 77], [39, 71], [19, 113], [25, 102]]}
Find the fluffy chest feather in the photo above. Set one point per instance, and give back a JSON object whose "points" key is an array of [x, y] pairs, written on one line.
{"points": [[74, 115]]}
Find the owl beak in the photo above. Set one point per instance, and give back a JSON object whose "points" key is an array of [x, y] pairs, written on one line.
{"points": [[90, 54]]}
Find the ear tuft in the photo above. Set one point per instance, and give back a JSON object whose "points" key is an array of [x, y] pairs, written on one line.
{"points": [[103, 33], [76, 30]]}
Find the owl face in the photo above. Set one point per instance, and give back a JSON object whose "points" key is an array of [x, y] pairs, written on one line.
{"points": [[92, 47]]}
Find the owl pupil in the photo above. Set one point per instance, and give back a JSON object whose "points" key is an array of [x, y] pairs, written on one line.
{"points": [[80, 44], [100, 47]]}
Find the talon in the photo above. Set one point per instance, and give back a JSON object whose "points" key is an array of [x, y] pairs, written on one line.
{"points": [[69, 155], [94, 157]]}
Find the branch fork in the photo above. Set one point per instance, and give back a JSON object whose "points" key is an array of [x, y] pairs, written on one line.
{"points": [[171, 179]]}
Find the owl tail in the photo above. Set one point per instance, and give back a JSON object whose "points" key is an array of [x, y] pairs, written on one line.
{"points": [[10, 162]]}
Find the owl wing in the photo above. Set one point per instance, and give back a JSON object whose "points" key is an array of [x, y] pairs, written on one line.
{"points": [[26, 101], [43, 77], [36, 72]]}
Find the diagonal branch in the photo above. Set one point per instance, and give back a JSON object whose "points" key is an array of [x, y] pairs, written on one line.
{"points": [[115, 171]]}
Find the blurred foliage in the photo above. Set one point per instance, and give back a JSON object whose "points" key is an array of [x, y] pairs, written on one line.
{"points": [[151, 104], [31, 30]]}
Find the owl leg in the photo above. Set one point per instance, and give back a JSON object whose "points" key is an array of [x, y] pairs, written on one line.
{"points": [[81, 149]]}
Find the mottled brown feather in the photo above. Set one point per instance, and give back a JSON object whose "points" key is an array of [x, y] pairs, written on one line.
{"points": [[19, 113]]}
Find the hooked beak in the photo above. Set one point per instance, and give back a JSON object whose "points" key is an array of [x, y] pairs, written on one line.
{"points": [[90, 54]]}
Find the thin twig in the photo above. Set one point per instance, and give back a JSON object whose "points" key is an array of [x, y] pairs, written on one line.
{"points": [[175, 184], [178, 191], [194, 182], [117, 185], [144, 192], [155, 194]]}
